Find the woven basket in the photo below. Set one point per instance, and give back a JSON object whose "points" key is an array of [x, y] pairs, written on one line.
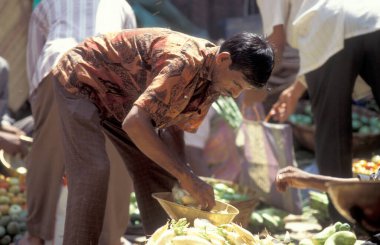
{"points": [[245, 207], [177, 211], [305, 134]]}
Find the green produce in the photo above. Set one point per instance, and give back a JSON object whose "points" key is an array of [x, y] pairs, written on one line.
{"points": [[268, 218], [4, 220], [13, 228], [306, 241], [341, 238], [226, 193], [321, 237], [5, 240], [227, 108], [345, 227], [3, 231], [15, 209], [362, 124], [365, 130]]}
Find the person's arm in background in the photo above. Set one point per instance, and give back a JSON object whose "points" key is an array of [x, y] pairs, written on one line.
{"points": [[274, 17], [12, 144], [295, 178]]}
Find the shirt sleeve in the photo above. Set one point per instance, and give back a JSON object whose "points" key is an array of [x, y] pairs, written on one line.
{"points": [[130, 18], [170, 91], [273, 13]]}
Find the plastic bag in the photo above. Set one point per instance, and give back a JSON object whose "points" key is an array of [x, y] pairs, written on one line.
{"points": [[267, 148]]}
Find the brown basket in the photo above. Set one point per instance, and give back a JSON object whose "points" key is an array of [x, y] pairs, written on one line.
{"points": [[305, 134], [245, 207]]}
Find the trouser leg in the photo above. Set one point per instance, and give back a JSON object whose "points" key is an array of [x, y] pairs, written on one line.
{"points": [[86, 165], [117, 208], [45, 163], [146, 175], [370, 69], [330, 88]]}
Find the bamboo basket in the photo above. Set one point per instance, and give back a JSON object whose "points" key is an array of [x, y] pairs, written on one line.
{"points": [[245, 207]]}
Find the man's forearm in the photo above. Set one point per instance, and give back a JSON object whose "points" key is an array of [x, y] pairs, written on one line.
{"points": [[143, 134]]}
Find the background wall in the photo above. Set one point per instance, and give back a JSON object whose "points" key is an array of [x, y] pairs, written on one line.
{"points": [[218, 15]]}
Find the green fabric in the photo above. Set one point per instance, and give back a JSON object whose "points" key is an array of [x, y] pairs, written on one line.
{"points": [[35, 3]]}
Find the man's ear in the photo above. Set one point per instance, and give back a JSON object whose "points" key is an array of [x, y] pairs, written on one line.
{"points": [[223, 57]]}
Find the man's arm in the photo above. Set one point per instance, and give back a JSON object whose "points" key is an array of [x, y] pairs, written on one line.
{"points": [[138, 126]]}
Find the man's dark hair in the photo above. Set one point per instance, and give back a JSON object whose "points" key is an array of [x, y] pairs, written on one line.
{"points": [[252, 55]]}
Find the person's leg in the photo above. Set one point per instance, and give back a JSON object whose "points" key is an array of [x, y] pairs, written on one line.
{"points": [[86, 166], [370, 71], [116, 217], [4, 79], [330, 88], [146, 175], [44, 163]]}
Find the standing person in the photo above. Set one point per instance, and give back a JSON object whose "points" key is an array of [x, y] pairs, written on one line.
{"points": [[139, 87], [10, 132], [337, 41], [55, 27]]}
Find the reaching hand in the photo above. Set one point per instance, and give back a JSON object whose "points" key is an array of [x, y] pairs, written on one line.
{"points": [[200, 191], [12, 129], [287, 102], [12, 144], [292, 177]]}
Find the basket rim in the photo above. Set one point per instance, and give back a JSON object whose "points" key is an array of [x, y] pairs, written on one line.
{"points": [[234, 212]]}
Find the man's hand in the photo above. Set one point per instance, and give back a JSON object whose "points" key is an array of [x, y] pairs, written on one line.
{"points": [[287, 102], [12, 144], [138, 126], [202, 192]]}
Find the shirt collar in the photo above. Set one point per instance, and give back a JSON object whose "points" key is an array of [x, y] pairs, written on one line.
{"points": [[209, 63]]}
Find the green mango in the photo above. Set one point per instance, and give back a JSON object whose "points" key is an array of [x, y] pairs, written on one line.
{"points": [[306, 241], [344, 227], [321, 237], [341, 238]]}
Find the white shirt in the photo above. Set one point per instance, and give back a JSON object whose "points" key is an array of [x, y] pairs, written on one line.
{"points": [[58, 25], [318, 28]]}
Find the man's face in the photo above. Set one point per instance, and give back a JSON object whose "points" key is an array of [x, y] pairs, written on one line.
{"points": [[231, 83], [226, 81]]}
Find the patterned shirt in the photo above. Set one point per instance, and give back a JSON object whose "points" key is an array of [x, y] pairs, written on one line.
{"points": [[164, 72]]}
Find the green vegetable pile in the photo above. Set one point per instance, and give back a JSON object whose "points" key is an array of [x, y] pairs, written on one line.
{"points": [[337, 234], [203, 232], [227, 108], [361, 124], [271, 219], [226, 193], [13, 212]]}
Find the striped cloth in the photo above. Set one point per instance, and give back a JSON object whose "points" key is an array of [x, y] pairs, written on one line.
{"points": [[55, 28]]}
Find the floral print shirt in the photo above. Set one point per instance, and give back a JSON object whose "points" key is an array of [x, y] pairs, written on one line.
{"points": [[166, 73]]}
